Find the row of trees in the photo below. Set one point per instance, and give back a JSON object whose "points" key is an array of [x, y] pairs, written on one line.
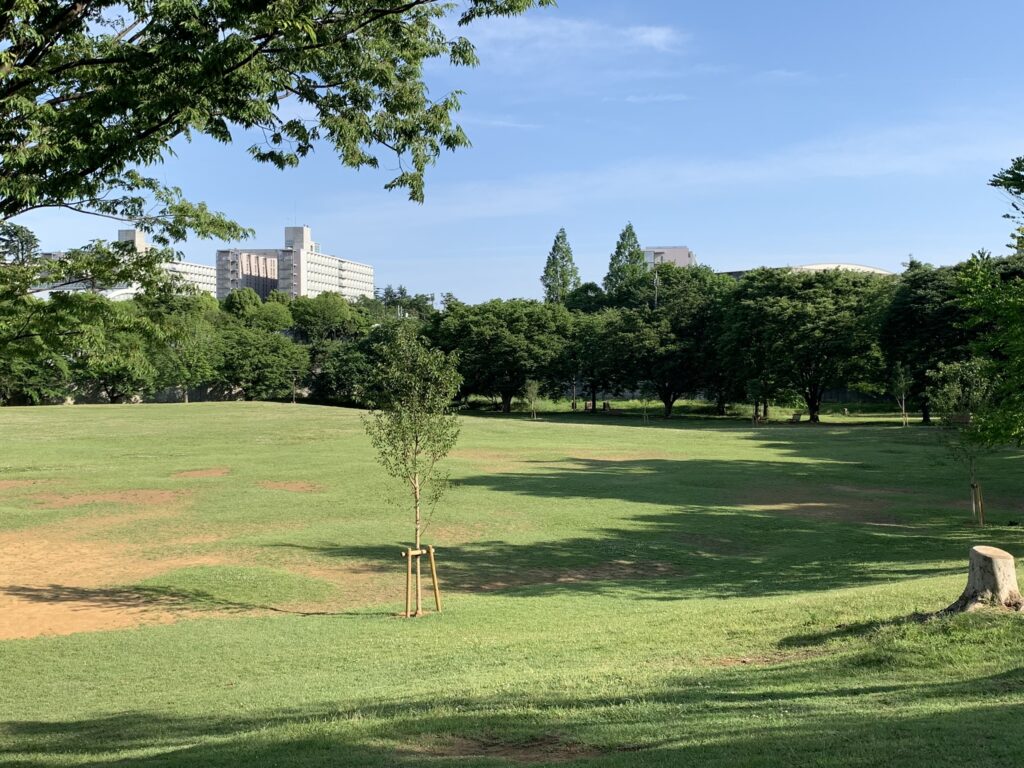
{"points": [[773, 336]]}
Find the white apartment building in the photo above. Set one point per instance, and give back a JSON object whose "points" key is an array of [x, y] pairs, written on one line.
{"points": [[304, 270], [298, 269], [202, 277], [679, 255]]}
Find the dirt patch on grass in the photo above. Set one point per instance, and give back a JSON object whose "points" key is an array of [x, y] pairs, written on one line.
{"points": [[297, 486], [489, 461], [136, 498], [199, 473], [875, 490], [54, 577], [6, 485], [536, 751], [597, 454], [612, 570], [851, 508], [764, 659]]}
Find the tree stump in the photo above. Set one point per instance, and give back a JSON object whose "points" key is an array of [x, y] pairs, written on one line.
{"points": [[991, 581]]}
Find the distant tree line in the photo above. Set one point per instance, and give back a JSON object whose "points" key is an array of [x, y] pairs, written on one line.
{"points": [[664, 332]]}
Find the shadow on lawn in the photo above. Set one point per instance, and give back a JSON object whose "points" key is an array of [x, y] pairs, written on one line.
{"points": [[747, 529], [757, 717], [149, 597]]}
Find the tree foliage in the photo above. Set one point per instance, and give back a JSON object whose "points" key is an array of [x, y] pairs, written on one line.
{"points": [[412, 426], [93, 90], [626, 266], [561, 276]]}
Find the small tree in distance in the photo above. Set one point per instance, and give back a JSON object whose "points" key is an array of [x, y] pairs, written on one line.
{"points": [[531, 394], [412, 425], [960, 392], [902, 381]]}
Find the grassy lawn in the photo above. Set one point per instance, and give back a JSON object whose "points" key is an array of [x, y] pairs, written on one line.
{"points": [[216, 584]]}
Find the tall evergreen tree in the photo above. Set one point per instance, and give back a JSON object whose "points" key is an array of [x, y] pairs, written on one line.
{"points": [[561, 276], [627, 262]]}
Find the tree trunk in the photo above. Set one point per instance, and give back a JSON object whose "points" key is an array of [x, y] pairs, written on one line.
{"points": [[593, 399], [720, 404], [506, 402], [185, 392], [419, 590], [926, 413], [668, 401], [813, 399], [991, 581], [765, 410]]}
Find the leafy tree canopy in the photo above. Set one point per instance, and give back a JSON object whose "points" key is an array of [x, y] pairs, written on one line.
{"points": [[561, 276], [91, 91], [626, 264]]}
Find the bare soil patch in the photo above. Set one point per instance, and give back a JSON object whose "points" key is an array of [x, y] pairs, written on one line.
{"points": [[137, 498], [541, 750], [846, 509], [12, 484], [613, 570], [54, 578], [198, 473], [293, 486], [597, 454], [489, 461]]}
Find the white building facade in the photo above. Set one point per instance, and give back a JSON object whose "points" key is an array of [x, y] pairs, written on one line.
{"points": [[202, 277], [298, 269], [304, 270]]}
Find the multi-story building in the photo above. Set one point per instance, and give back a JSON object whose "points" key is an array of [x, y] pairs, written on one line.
{"points": [[202, 277], [298, 269], [237, 269], [304, 270], [679, 255]]}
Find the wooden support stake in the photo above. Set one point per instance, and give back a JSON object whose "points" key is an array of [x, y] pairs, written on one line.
{"points": [[433, 577], [407, 554]]}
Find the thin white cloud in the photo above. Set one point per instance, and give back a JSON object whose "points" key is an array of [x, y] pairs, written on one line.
{"points": [[919, 151], [541, 33], [499, 122], [652, 98], [658, 38]]}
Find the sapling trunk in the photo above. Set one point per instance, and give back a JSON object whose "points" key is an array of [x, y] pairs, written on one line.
{"points": [[419, 591]]}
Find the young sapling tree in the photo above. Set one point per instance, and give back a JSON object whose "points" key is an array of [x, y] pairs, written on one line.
{"points": [[412, 425]]}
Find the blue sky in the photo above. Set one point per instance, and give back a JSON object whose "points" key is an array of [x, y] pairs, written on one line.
{"points": [[755, 133]]}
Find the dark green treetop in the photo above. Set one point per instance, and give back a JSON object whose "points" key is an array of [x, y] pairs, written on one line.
{"points": [[561, 276]]}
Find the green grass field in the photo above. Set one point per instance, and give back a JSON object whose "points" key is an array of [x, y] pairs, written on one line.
{"points": [[217, 584]]}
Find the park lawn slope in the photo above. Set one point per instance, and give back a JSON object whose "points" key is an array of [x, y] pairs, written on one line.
{"points": [[616, 594]]}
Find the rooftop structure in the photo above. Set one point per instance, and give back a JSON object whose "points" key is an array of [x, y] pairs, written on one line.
{"points": [[679, 255], [298, 269]]}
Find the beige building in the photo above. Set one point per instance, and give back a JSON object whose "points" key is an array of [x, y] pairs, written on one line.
{"points": [[679, 255], [237, 269], [298, 269], [304, 270]]}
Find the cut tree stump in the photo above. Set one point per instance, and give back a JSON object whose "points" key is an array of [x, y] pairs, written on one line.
{"points": [[991, 581]]}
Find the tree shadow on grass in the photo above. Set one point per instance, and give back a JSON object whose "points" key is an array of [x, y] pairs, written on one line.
{"points": [[148, 598], [767, 716], [722, 542]]}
